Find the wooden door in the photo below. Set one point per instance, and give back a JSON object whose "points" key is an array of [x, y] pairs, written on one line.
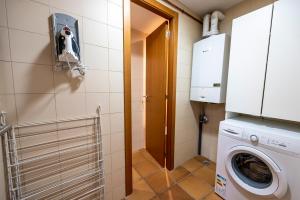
{"points": [[248, 60], [156, 84], [282, 97]]}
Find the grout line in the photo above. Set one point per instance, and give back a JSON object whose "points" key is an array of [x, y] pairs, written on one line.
{"points": [[11, 68], [176, 183]]}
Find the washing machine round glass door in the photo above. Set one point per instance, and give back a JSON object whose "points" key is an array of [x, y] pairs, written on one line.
{"points": [[255, 172]]}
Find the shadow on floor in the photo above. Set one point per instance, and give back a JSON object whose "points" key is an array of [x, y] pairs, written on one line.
{"points": [[194, 179]]}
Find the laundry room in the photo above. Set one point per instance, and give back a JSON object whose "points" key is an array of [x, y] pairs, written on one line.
{"points": [[149, 99]]}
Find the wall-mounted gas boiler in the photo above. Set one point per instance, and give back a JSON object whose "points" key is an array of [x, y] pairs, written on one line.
{"points": [[209, 70]]}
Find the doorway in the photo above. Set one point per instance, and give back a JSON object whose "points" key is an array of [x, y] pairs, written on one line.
{"points": [[159, 86]]}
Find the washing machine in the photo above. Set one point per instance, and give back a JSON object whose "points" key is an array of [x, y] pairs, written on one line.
{"points": [[258, 159]]}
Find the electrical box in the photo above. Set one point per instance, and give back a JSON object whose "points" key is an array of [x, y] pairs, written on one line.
{"points": [[209, 69]]}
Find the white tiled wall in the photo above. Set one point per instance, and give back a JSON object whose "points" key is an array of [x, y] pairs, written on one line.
{"points": [[31, 91], [187, 112], [138, 89]]}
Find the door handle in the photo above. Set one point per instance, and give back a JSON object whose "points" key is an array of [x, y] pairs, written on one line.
{"points": [[147, 97]]}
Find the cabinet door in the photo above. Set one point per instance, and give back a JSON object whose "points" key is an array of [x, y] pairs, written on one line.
{"points": [[282, 89], [248, 60]]}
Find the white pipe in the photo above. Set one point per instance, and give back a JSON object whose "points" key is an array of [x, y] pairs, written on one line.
{"points": [[215, 17], [206, 20]]}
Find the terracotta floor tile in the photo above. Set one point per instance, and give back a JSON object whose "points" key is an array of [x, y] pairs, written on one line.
{"points": [[146, 168], [206, 174], [201, 158], [135, 176], [175, 193], [212, 165], [213, 196], [160, 181], [149, 157], [137, 157], [179, 173], [195, 187], [141, 190], [192, 165]]}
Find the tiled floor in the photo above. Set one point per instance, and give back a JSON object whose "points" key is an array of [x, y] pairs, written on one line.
{"points": [[192, 180]]}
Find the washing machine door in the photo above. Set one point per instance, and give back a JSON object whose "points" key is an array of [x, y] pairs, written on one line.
{"points": [[255, 172]]}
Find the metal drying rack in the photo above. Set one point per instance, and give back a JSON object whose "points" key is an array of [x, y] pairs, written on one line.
{"points": [[59, 159]]}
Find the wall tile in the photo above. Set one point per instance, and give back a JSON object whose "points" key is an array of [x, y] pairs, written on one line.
{"points": [[93, 9], [95, 33], [118, 179], [117, 142], [115, 61], [28, 15], [7, 104], [106, 144], [46, 2], [117, 122], [117, 160], [183, 84], [31, 53], [184, 71], [115, 15], [116, 81], [4, 44], [108, 195], [3, 20], [96, 57], [6, 78], [116, 102], [65, 83], [93, 100], [39, 78], [97, 81], [107, 164], [70, 106], [118, 2], [119, 192], [108, 183], [105, 124], [115, 38], [30, 47], [35, 107]]}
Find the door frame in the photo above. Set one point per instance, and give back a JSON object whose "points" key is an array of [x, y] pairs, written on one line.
{"points": [[169, 14]]}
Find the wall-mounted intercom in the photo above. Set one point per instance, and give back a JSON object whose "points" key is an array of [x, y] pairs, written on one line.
{"points": [[66, 43]]}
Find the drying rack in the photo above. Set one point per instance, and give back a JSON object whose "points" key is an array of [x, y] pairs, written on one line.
{"points": [[60, 159]]}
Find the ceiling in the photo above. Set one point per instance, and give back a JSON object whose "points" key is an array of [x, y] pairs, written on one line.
{"points": [[201, 7], [144, 20]]}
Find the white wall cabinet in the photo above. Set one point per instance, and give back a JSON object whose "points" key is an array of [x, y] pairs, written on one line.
{"points": [[282, 88], [248, 60], [264, 69]]}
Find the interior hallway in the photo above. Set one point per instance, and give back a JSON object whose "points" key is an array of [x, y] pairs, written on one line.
{"points": [[192, 180]]}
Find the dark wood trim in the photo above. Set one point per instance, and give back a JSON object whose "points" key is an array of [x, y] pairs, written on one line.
{"points": [[127, 97], [172, 16]]}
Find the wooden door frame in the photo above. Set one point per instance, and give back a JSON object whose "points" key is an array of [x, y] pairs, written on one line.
{"points": [[169, 14]]}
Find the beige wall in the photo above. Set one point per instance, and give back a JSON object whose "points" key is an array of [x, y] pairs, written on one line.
{"points": [[187, 112], [31, 91], [216, 113], [138, 50]]}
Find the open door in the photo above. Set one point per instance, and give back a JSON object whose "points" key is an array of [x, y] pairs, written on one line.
{"points": [[156, 87]]}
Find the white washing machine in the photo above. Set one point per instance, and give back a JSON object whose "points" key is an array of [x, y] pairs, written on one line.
{"points": [[258, 159]]}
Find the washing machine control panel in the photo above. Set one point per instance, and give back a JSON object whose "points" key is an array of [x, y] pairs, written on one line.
{"points": [[272, 140]]}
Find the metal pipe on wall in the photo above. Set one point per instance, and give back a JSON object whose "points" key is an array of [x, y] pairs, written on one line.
{"points": [[182, 10]]}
